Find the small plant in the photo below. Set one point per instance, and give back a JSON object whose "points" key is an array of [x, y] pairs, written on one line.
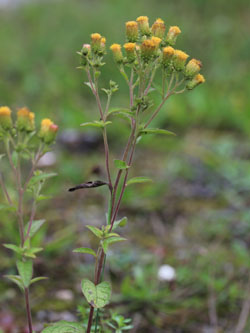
{"points": [[147, 52], [24, 147]]}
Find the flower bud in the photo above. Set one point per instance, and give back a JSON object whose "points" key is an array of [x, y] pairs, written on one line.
{"points": [[48, 131], [192, 68], [179, 60], [173, 32], [25, 120], [5, 118], [103, 43], [143, 25], [198, 79], [132, 31], [130, 51], [158, 28], [85, 49], [148, 48], [96, 42], [156, 41], [117, 53], [167, 55]]}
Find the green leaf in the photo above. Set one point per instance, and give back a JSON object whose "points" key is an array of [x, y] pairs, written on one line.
{"points": [[36, 225], [156, 131], [106, 242], [98, 296], [121, 164], [100, 123], [2, 156], [13, 248], [64, 327], [120, 223], [25, 271], [16, 279], [39, 278], [124, 113], [41, 177], [137, 180], [85, 250], [95, 231], [89, 85], [31, 253], [43, 197]]}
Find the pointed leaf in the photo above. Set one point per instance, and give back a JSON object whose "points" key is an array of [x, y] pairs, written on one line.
{"points": [[25, 271], [41, 177], [98, 296], [106, 242], [39, 278], [156, 131], [31, 253], [89, 85], [137, 180], [121, 164], [36, 225], [100, 124], [16, 279], [64, 327], [95, 231], [85, 250], [124, 113], [13, 248], [120, 223]]}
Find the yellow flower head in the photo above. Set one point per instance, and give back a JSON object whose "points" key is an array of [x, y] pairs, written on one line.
{"points": [[96, 40], [158, 28], [198, 79], [156, 40], [48, 131], [132, 31], [173, 32], [181, 55], [167, 55], [25, 120], [129, 47], [117, 53], [179, 60], [193, 67], [143, 25], [148, 48], [96, 37], [23, 112], [5, 111], [159, 21], [5, 118], [168, 51], [45, 124], [130, 51], [142, 19], [103, 41], [115, 47]]}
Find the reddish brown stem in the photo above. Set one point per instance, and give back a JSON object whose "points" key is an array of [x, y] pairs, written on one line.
{"points": [[28, 311]]}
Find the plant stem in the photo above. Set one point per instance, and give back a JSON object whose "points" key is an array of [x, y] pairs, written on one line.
{"points": [[28, 311], [5, 191]]}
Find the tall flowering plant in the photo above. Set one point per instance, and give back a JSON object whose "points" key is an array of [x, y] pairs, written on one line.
{"points": [[24, 146], [148, 52]]}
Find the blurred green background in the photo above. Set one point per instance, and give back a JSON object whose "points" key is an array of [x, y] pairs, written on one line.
{"points": [[194, 217]]}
